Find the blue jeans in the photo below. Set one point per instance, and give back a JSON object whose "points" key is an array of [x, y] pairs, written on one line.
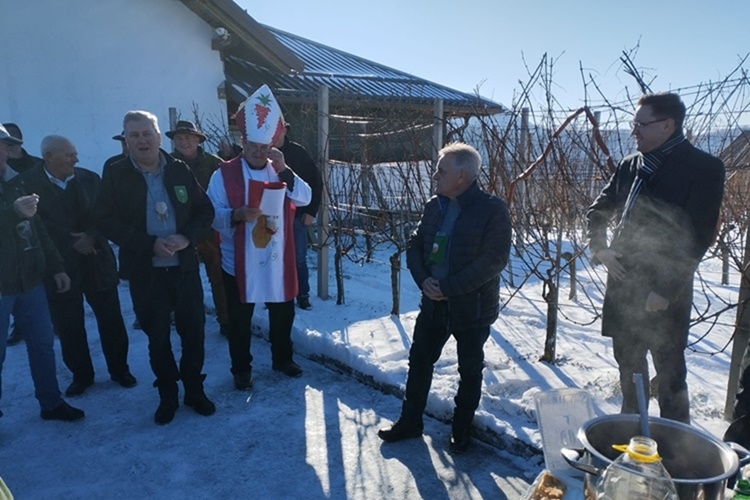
{"points": [[300, 250], [32, 318]]}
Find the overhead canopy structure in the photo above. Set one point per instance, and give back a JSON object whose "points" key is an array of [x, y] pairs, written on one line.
{"points": [[377, 113]]}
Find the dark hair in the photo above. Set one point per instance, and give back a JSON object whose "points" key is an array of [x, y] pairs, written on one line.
{"points": [[665, 105]]}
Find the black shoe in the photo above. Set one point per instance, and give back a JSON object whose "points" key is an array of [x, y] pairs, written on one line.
{"points": [[224, 330], [290, 369], [63, 412], [200, 403], [137, 325], [460, 440], [243, 381], [78, 388], [15, 336], [304, 303], [401, 430], [165, 412], [127, 380]]}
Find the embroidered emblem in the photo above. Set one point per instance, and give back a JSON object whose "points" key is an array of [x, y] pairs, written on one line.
{"points": [[182, 194]]}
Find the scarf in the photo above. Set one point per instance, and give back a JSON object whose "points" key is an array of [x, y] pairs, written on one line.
{"points": [[648, 164]]}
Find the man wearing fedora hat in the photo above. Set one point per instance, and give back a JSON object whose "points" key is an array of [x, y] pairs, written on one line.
{"points": [[187, 147]]}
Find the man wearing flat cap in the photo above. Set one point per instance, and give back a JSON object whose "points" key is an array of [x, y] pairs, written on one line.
{"points": [[187, 147], [18, 158], [27, 258]]}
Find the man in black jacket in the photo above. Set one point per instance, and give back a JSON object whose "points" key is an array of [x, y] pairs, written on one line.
{"points": [[27, 257], [152, 207], [666, 201], [455, 256], [18, 158], [303, 165], [66, 202]]}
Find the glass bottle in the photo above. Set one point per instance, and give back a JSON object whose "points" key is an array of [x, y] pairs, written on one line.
{"points": [[637, 474]]}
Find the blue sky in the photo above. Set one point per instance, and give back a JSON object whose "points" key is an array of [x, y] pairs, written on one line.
{"points": [[465, 43]]}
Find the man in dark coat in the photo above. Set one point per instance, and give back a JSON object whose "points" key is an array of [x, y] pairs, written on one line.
{"points": [[152, 207], [66, 201], [455, 256], [666, 201], [27, 258], [18, 158], [303, 165], [187, 147]]}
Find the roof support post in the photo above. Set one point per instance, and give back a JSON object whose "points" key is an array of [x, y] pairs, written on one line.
{"points": [[438, 134], [323, 222]]}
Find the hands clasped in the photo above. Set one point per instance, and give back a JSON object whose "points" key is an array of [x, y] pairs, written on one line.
{"points": [[170, 245], [431, 288]]}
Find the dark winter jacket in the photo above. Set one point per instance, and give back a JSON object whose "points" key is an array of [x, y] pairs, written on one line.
{"points": [[477, 252], [71, 210], [303, 165], [24, 163], [672, 224], [23, 265], [202, 165], [121, 213]]}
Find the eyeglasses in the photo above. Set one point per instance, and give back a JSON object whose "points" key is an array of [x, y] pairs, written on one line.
{"points": [[640, 125]]}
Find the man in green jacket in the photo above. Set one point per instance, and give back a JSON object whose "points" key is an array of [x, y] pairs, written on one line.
{"points": [[187, 147]]}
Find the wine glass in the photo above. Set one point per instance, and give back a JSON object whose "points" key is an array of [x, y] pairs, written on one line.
{"points": [[24, 231]]}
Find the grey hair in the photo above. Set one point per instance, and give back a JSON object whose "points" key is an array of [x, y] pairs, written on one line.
{"points": [[53, 142], [465, 158], [138, 115]]}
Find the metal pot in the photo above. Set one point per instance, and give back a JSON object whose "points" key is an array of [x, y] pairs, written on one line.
{"points": [[700, 464]]}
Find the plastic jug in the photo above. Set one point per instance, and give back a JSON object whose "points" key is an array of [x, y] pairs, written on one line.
{"points": [[637, 474]]}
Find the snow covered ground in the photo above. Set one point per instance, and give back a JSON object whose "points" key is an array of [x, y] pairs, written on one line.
{"points": [[324, 444]]}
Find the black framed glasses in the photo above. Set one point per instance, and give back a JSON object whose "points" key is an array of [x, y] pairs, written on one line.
{"points": [[639, 125]]}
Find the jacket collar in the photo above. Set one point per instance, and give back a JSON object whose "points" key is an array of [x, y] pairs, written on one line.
{"points": [[464, 199]]}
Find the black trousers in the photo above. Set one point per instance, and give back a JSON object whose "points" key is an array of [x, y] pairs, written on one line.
{"points": [[671, 372], [280, 317], [68, 319], [155, 295], [430, 336]]}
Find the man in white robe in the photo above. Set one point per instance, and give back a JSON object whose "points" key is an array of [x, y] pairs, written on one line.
{"points": [[254, 198]]}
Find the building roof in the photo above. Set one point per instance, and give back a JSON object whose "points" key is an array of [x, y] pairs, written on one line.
{"points": [[249, 40], [348, 77]]}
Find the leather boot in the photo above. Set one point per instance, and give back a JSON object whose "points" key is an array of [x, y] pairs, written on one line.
{"points": [[196, 398], [168, 402]]}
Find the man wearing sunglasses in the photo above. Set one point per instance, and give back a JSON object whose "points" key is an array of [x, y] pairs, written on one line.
{"points": [[665, 203]]}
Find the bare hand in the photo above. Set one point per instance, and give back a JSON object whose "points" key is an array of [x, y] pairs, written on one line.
{"points": [[277, 160], [431, 288], [246, 214], [62, 282], [307, 219], [25, 206], [655, 302], [84, 244], [162, 248], [609, 258], [177, 242]]}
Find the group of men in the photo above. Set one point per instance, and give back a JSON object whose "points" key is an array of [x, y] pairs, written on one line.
{"points": [[159, 209], [58, 221]]}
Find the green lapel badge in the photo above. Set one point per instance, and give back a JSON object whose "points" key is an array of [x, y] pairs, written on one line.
{"points": [[182, 194]]}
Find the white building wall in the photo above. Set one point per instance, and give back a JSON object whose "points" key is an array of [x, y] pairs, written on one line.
{"points": [[74, 67]]}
